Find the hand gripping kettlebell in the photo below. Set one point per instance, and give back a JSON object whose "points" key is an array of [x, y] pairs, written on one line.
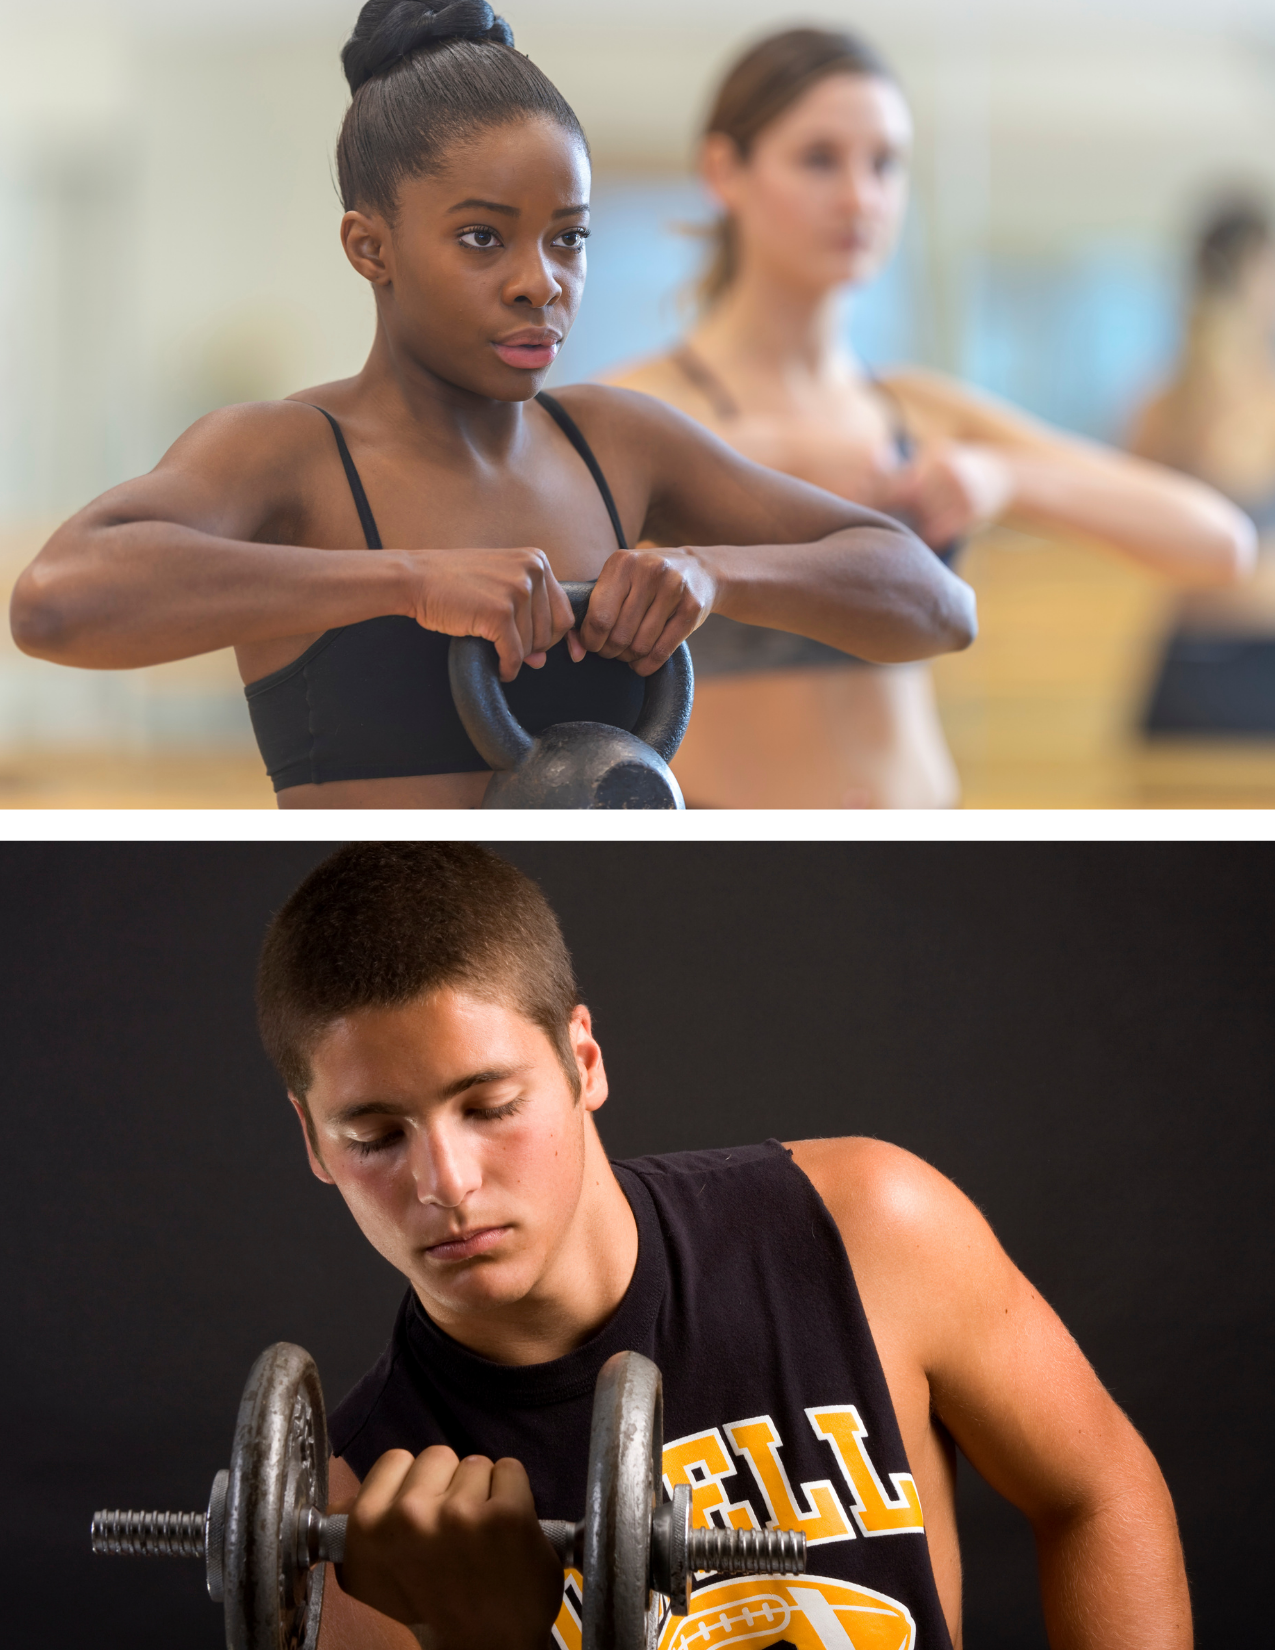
{"points": [[572, 764]]}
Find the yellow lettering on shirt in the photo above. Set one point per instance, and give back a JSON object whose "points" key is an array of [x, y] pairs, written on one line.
{"points": [[701, 1460], [875, 1510], [822, 1518]]}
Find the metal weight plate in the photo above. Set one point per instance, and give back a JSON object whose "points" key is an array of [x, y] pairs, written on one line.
{"points": [[626, 1447], [279, 1462]]}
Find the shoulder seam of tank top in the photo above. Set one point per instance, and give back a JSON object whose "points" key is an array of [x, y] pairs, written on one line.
{"points": [[720, 1159], [575, 435]]}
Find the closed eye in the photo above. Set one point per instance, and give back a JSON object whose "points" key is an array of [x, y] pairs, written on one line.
{"points": [[493, 1114], [378, 1143]]}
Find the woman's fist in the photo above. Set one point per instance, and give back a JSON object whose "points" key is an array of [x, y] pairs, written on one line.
{"points": [[645, 604], [509, 596], [949, 489]]}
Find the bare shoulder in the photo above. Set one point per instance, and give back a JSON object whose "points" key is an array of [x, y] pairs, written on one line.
{"points": [[632, 416], [871, 1185], [255, 434], [936, 391], [934, 1280], [923, 1255], [656, 375]]}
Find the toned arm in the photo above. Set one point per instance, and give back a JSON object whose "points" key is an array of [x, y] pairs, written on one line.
{"points": [[779, 552], [1166, 520], [963, 1334], [201, 553], [171, 564]]}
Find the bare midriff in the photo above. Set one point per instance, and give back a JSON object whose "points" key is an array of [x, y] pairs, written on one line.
{"points": [[858, 737], [427, 790]]}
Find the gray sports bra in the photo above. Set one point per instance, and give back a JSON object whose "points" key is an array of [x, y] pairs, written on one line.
{"points": [[724, 647]]}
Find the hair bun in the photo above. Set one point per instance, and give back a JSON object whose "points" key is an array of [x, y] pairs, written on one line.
{"points": [[389, 30]]}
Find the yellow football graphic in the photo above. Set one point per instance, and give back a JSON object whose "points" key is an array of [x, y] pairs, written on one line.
{"points": [[808, 1612]]}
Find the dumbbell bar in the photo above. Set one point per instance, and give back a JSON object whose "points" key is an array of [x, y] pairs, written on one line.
{"points": [[265, 1535], [678, 1550], [319, 1537]]}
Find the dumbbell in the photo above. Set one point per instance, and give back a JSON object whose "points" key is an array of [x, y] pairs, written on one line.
{"points": [[266, 1535], [573, 764]]}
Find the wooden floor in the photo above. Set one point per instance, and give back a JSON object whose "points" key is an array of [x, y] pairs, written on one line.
{"points": [[94, 779], [1041, 713]]}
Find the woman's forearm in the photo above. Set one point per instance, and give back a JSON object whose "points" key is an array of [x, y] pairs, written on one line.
{"points": [[1169, 522], [144, 592], [877, 593]]}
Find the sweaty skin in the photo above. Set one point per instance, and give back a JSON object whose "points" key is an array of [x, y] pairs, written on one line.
{"points": [[452, 1132], [817, 207], [246, 534]]}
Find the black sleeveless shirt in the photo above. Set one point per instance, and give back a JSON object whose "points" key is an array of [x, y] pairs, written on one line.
{"points": [[776, 1410], [372, 700]]}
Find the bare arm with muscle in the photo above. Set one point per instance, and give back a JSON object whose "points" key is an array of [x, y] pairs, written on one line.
{"points": [[753, 545], [201, 553], [207, 551], [980, 460], [965, 1340]]}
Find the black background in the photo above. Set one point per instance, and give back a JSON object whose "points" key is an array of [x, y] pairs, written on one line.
{"points": [[1080, 1035]]}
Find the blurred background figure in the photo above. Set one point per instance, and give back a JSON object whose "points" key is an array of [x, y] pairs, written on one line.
{"points": [[1216, 419], [806, 154], [171, 245]]}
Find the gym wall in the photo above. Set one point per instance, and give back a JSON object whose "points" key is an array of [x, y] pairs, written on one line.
{"points": [[1079, 1035]]}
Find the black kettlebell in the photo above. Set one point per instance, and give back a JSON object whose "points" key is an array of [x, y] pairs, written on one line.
{"points": [[572, 764]]}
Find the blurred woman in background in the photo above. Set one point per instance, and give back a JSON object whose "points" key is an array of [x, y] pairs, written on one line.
{"points": [[1216, 418], [806, 152]]}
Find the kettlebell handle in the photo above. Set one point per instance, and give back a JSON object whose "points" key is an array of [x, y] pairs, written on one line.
{"points": [[473, 667]]}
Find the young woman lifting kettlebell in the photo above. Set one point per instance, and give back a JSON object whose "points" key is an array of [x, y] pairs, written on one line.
{"points": [[339, 538]]}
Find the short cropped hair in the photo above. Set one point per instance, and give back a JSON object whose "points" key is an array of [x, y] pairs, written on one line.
{"points": [[379, 924]]}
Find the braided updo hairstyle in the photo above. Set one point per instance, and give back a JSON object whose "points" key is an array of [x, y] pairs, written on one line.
{"points": [[424, 76]]}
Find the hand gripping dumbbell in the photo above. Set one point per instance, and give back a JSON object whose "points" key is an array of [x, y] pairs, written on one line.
{"points": [[266, 1536]]}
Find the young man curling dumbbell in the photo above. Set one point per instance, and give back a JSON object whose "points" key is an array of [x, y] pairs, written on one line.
{"points": [[832, 1318]]}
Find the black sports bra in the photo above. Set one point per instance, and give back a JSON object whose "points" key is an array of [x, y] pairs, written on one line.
{"points": [[372, 700]]}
